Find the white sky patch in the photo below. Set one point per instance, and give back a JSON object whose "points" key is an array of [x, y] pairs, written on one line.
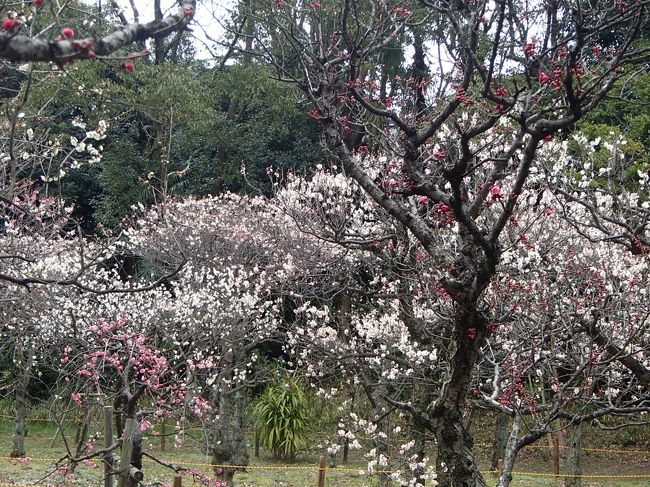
{"points": [[208, 25]]}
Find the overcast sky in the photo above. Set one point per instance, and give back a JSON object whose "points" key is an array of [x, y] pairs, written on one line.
{"points": [[207, 20]]}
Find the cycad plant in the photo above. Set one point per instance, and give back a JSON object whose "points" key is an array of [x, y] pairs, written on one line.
{"points": [[281, 416]]}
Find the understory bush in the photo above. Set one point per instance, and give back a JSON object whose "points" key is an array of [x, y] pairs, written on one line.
{"points": [[281, 416]]}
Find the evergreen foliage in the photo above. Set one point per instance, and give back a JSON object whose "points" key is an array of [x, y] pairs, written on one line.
{"points": [[281, 416]]}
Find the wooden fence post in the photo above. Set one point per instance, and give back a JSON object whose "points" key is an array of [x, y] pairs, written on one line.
{"points": [[178, 481], [127, 471], [321, 472], [125, 455], [108, 442]]}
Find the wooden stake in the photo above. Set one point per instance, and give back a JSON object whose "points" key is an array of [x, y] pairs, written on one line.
{"points": [[108, 442], [321, 472], [127, 449], [178, 481], [500, 466], [556, 453]]}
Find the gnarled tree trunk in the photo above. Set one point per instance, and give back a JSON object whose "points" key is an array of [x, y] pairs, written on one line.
{"points": [[574, 456], [500, 439], [455, 464], [228, 441], [23, 374]]}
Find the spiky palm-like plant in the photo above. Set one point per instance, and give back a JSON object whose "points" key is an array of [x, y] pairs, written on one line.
{"points": [[281, 416]]}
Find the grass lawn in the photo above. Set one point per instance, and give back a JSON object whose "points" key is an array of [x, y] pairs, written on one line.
{"points": [[266, 472]]}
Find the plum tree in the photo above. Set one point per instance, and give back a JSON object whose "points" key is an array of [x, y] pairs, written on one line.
{"points": [[464, 137]]}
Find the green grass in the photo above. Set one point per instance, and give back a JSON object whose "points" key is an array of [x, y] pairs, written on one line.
{"points": [[266, 472]]}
